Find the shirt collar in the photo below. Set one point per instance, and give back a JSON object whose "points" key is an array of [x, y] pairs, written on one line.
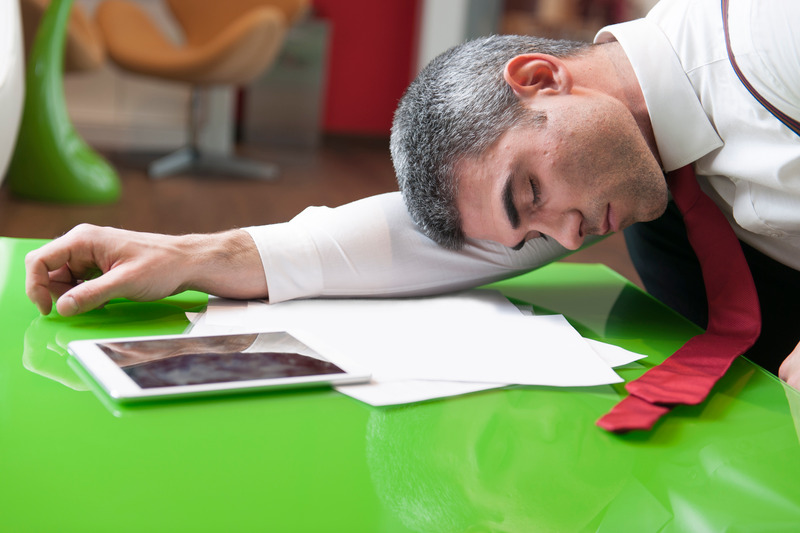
{"points": [[682, 130]]}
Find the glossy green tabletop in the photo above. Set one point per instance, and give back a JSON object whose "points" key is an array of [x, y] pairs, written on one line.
{"points": [[519, 459]]}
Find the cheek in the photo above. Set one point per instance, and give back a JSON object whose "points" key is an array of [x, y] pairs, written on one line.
{"points": [[477, 222]]}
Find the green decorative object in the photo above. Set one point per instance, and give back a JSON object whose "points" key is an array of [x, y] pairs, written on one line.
{"points": [[51, 162]]}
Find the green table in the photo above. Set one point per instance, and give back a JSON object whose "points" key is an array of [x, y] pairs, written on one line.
{"points": [[518, 459]]}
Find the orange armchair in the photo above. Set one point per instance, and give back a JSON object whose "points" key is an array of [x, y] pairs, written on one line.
{"points": [[226, 42]]}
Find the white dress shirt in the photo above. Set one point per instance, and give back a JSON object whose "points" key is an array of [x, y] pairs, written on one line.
{"points": [[748, 162], [745, 158]]}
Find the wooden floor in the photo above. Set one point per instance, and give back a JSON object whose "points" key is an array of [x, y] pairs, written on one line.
{"points": [[339, 171]]}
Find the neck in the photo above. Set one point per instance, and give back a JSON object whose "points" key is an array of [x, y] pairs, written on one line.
{"points": [[607, 69]]}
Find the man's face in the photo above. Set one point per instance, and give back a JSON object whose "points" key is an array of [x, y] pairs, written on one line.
{"points": [[586, 171]]}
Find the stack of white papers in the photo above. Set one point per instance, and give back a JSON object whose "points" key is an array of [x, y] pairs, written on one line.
{"points": [[422, 348]]}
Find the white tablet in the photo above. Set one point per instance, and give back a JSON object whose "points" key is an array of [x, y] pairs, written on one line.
{"points": [[148, 368]]}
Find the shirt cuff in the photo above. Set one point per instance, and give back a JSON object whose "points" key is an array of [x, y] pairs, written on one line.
{"points": [[290, 260]]}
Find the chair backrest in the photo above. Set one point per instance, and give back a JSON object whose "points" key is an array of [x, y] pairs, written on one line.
{"points": [[202, 20]]}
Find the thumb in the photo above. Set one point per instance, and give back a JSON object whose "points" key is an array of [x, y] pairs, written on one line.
{"points": [[88, 295]]}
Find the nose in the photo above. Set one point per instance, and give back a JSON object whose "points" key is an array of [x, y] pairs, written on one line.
{"points": [[567, 229]]}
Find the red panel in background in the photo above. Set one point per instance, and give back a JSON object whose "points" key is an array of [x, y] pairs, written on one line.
{"points": [[370, 62]]}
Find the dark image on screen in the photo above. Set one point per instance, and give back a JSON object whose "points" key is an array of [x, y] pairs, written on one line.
{"points": [[200, 360]]}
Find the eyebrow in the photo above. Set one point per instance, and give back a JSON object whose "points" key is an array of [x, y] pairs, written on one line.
{"points": [[508, 202]]}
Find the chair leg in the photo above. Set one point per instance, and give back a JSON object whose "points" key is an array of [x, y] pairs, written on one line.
{"points": [[240, 167], [173, 163], [191, 158]]}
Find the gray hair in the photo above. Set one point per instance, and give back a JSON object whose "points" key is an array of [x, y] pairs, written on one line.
{"points": [[458, 106]]}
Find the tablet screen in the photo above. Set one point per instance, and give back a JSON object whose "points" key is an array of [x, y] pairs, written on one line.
{"points": [[219, 359]]}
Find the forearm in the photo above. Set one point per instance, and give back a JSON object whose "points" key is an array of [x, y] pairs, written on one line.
{"points": [[224, 264]]}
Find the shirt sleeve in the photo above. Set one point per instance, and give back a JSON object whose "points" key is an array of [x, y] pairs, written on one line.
{"points": [[371, 247]]}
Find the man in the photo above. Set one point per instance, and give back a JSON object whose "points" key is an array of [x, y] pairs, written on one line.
{"points": [[509, 153]]}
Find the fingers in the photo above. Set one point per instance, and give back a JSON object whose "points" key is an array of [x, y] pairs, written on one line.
{"points": [[37, 281], [57, 266], [91, 294], [40, 296]]}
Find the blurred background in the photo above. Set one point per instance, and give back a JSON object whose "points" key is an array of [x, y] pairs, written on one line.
{"points": [[313, 120]]}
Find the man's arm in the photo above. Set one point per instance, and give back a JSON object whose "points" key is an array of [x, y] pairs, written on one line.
{"points": [[90, 265], [366, 248]]}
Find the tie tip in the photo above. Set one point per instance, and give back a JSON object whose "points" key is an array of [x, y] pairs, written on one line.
{"points": [[632, 413]]}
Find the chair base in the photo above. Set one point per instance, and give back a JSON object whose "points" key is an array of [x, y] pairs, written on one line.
{"points": [[189, 158]]}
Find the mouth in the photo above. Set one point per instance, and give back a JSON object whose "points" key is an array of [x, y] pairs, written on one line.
{"points": [[611, 224], [604, 225]]}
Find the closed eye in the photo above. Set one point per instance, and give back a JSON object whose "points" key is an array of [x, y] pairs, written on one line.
{"points": [[508, 203], [535, 201], [535, 191]]}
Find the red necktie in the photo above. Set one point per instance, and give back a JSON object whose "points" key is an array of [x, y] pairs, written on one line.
{"points": [[734, 318]]}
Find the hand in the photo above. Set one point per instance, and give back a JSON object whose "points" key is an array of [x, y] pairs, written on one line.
{"points": [[790, 369], [91, 265]]}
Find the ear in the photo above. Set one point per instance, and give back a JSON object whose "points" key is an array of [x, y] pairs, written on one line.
{"points": [[529, 75]]}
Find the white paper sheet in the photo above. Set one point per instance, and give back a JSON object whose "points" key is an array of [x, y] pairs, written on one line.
{"points": [[424, 348], [613, 355], [487, 349], [409, 391]]}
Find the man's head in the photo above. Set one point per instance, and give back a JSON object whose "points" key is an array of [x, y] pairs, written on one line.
{"points": [[484, 121]]}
